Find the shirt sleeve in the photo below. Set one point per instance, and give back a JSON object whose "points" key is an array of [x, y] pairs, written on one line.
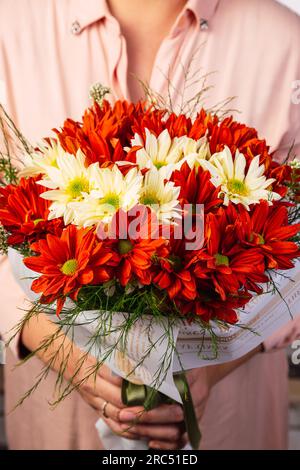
{"points": [[290, 89], [291, 139], [284, 337], [12, 306]]}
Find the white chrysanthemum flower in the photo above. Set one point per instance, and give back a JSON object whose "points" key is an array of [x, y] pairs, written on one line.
{"points": [[112, 191], [195, 151], [160, 152], [45, 156], [68, 182], [168, 154], [237, 185], [161, 197]]}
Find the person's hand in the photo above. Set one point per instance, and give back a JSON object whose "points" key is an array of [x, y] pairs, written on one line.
{"points": [[102, 391], [163, 427]]}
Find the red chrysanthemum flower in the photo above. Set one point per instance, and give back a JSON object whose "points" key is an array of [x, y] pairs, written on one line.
{"points": [[281, 174], [24, 214], [234, 135], [104, 131], [286, 176], [209, 306], [156, 121], [67, 263], [135, 245], [196, 187], [228, 265], [267, 229], [173, 273]]}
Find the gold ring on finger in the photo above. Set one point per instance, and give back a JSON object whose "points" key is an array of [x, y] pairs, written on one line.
{"points": [[104, 405]]}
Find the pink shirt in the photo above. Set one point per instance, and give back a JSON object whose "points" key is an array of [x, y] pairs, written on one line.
{"points": [[52, 51]]}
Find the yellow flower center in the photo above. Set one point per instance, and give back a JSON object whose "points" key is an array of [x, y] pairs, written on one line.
{"points": [[149, 199], [259, 238], [111, 200], [237, 187], [77, 186], [37, 221], [221, 260], [160, 164], [176, 263], [124, 246], [70, 267]]}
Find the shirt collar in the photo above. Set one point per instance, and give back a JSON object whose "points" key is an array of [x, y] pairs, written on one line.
{"points": [[86, 12], [203, 9]]}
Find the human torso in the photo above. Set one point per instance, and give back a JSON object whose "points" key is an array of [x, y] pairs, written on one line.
{"points": [[48, 68]]}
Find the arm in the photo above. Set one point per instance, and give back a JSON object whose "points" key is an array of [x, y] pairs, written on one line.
{"points": [[13, 304], [218, 372], [97, 389]]}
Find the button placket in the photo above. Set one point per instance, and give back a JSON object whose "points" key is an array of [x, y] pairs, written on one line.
{"points": [[118, 59]]}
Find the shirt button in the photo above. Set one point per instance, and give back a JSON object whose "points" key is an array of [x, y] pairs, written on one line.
{"points": [[75, 28], [203, 24]]}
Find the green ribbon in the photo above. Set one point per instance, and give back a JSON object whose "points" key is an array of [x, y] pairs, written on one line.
{"points": [[142, 395]]}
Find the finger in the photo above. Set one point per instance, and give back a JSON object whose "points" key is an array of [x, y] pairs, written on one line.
{"points": [[163, 414], [108, 392], [156, 432], [98, 404], [107, 374], [110, 411], [117, 429], [91, 400]]}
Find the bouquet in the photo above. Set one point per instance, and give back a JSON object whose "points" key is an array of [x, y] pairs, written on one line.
{"points": [[148, 235]]}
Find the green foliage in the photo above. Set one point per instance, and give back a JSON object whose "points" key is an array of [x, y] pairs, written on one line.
{"points": [[3, 241]]}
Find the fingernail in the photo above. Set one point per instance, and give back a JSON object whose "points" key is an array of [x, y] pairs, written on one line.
{"points": [[127, 416]]}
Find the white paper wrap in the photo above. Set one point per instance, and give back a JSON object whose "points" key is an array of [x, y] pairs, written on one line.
{"points": [[264, 315]]}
